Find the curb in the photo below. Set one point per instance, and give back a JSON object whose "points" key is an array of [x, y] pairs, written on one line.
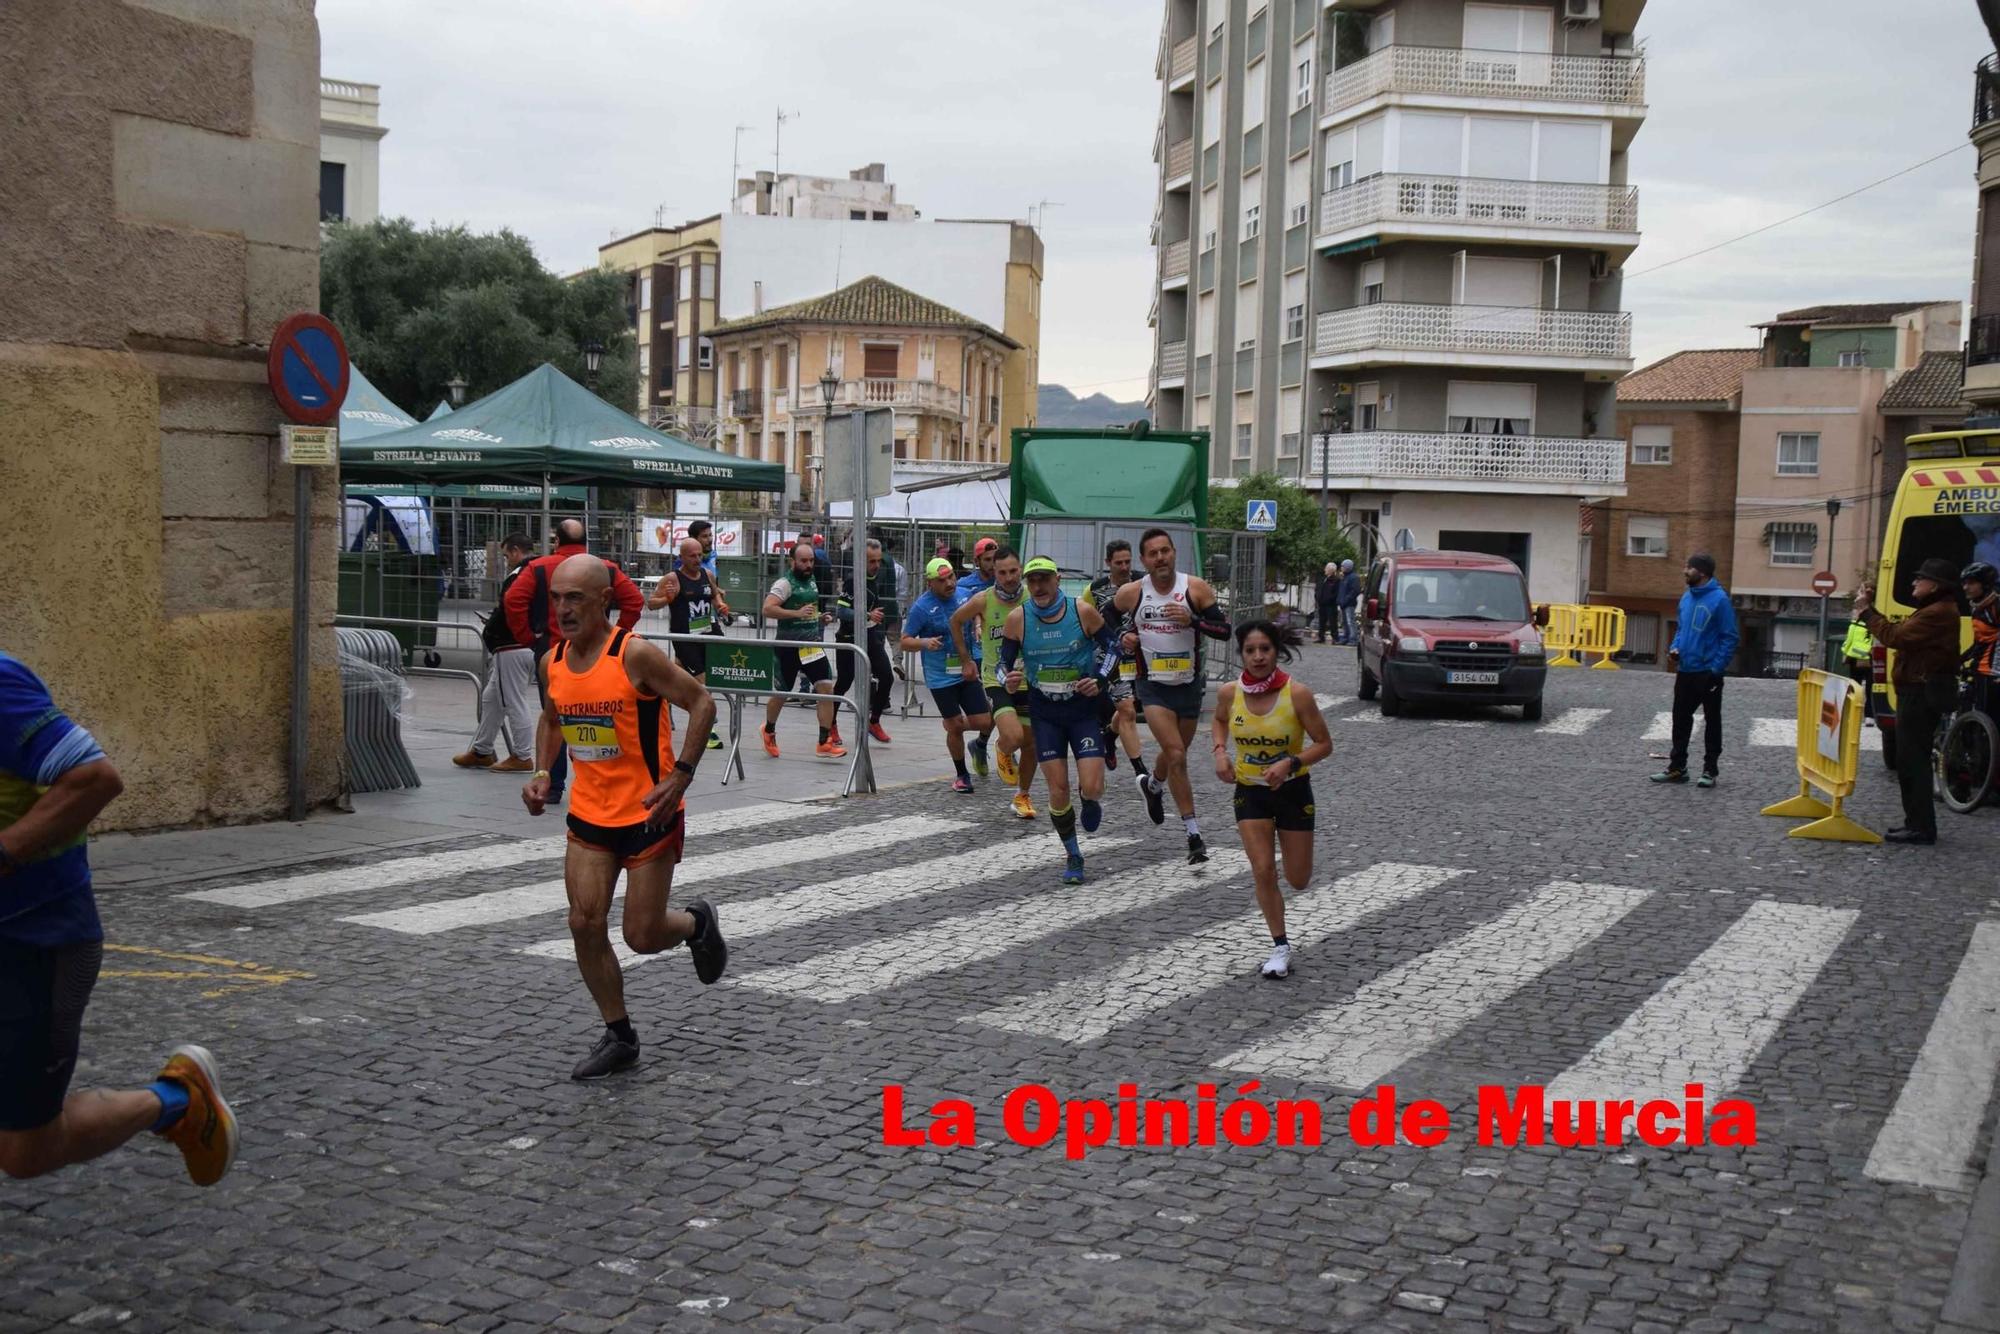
{"points": [[1972, 1302]]}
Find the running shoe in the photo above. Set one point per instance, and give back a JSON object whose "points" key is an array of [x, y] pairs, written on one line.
{"points": [[830, 748], [1156, 802], [608, 1057], [833, 735], [1706, 780], [513, 764], [706, 946], [1111, 750], [880, 734], [206, 1132], [1073, 871], [977, 750], [473, 759], [1671, 776], [770, 740], [1093, 815], [1279, 966], [1197, 850], [1024, 806], [961, 784], [714, 741], [1010, 773]]}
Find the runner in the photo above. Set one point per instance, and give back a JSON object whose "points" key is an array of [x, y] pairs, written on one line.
{"points": [[693, 601], [989, 608], [1116, 710], [793, 603], [961, 704], [985, 556], [1279, 735], [54, 780], [882, 610], [1054, 647], [607, 693], [1167, 609]]}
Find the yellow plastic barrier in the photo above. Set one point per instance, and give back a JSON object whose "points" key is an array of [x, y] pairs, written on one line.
{"points": [[1563, 635], [1603, 633], [1835, 777]]}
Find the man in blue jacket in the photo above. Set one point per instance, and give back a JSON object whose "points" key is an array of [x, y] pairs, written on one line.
{"points": [[1702, 648]]}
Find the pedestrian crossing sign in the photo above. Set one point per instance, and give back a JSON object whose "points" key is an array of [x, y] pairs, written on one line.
{"points": [[1261, 516]]}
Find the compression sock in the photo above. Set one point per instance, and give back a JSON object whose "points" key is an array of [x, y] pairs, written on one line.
{"points": [[959, 764], [823, 732], [622, 1030], [1139, 766], [173, 1098], [1281, 939], [1093, 816], [1193, 828], [1065, 822]]}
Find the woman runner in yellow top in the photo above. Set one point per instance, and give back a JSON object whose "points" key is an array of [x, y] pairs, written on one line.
{"points": [[1278, 734]]}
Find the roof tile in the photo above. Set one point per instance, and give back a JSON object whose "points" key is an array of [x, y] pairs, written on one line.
{"points": [[1704, 375], [1877, 312], [1937, 381], [871, 301]]}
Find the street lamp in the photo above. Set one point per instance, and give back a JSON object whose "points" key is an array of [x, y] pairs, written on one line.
{"points": [[593, 357], [1325, 463], [829, 389], [456, 387], [1825, 648]]}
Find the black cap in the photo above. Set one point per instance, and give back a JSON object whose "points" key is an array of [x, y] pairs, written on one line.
{"points": [[1939, 571], [1704, 562]]}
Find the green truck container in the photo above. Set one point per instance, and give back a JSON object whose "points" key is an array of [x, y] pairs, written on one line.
{"points": [[1075, 490]]}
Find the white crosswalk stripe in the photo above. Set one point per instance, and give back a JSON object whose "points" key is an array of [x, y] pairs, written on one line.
{"points": [[1328, 703], [850, 894], [1785, 732], [502, 905], [1574, 722], [1366, 716], [1707, 1024], [1933, 1129], [445, 865], [1411, 1009], [1087, 1008], [889, 961], [1662, 728]]}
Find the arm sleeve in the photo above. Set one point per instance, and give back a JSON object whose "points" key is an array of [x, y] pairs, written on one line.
{"points": [[1010, 653], [630, 600], [1211, 622], [520, 596]]}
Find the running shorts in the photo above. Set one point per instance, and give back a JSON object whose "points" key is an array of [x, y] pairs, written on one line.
{"points": [[999, 699], [1066, 726], [43, 991], [693, 658], [959, 699], [632, 844], [1289, 805], [1184, 700], [817, 671]]}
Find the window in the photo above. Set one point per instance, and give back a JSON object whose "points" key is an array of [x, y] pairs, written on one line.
{"points": [[687, 282], [705, 350], [685, 351], [646, 292], [1254, 93], [1296, 216], [1244, 431], [1251, 220], [1792, 543], [1295, 323], [1369, 282], [1653, 446], [1302, 84], [878, 361], [857, 215], [332, 191], [1857, 357], [1646, 537], [1249, 313], [1216, 31], [1483, 407], [1211, 115], [881, 216], [1288, 445], [1798, 454], [1207, 242], [1367, 406], [645, 360], [708, 282], [1339, 175]]}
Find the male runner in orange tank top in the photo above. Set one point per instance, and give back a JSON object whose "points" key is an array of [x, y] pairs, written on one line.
{"points": [[605, 695]]}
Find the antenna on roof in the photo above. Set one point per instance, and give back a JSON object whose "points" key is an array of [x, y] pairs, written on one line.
{"points": [[778, 137], [736, 160], [1042, 209]]}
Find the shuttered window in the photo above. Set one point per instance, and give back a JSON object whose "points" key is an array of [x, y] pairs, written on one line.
{"points": [[879, 362]]}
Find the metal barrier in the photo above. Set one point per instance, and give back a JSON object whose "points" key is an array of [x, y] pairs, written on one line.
{"points": [[371, 672], [1829, 754]]}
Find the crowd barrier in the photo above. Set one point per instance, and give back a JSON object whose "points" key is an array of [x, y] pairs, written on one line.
{"points": [[1829, 756], [1574, 629], [371, 684]]}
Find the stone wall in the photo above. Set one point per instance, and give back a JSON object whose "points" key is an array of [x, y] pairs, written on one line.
{"points": [[160, 216]]}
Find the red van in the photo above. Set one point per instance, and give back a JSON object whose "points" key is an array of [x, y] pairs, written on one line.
{"points": [[1450, 626]]}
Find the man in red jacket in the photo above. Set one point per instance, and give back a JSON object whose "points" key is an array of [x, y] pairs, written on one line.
{"points": [[531, 613]]}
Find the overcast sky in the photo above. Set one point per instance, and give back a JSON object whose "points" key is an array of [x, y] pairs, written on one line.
{"points": [[572, 124]]}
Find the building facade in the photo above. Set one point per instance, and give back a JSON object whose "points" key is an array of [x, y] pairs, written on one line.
{"points": [[1981, 384], [865, 195], [941, 370], [1413, 217], [672, 277], [1927, 397], [350, 150]]}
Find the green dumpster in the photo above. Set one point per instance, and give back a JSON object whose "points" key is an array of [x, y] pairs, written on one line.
{"points": [[393, 584]]}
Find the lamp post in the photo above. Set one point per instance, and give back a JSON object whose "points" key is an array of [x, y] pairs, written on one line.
{"points": [[456, 387], [593, 357], [1826, 649], [829, 389], [1325, 464]]}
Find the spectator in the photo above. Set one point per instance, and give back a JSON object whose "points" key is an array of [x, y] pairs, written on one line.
{"points": [[509, 697], [1926, 678], [531, 614], [1700, 654], [1326, 599], [702, 531], [883, 609], [1858, 651], [1350, 598]]}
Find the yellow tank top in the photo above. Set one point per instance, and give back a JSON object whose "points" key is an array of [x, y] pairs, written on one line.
{"points": [[1262, 741]]}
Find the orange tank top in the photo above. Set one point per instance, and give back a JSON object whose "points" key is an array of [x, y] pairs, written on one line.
{"points": [[620, 740]]}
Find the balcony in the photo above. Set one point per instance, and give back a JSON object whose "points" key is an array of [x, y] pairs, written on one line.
{"points": [[1982, 347], [1509, 336], [1180, 163], [1173, 364], [1174, 264], [1512, 464], [1180, 69], [746, 404], [904, 395], [1615, 83], [1405, 207], [1985, 94], [1980, 384]]}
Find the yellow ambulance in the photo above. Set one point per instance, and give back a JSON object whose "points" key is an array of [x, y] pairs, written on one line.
{"points": [[1947, 505]]}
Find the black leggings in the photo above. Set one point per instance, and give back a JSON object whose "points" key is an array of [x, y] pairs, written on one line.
{"points": [[881, 675]]}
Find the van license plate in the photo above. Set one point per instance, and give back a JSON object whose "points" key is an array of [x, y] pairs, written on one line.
{"points": [[1472, 678]]}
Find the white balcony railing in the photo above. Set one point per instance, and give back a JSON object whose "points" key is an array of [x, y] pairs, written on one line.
{"points": [[911, 395], [1173, 360], [1476, 202], [1452, 71], [1180, 159], [1183, 61], [1365, 457], [1174, 260], [1508, 330]]}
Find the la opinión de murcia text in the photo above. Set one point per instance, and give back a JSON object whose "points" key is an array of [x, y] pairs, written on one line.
{"points": [[1034, 1116]]}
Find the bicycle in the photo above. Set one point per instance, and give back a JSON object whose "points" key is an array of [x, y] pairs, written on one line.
{"points": [[1965, 755]]}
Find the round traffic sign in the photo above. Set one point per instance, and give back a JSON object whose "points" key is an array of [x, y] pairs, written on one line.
{"points": [[307, 368], [1824, 583]]}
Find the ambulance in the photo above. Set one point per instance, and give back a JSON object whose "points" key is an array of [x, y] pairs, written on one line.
{"points": [[1947, 505]]}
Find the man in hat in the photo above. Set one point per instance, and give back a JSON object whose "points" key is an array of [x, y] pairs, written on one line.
{"points": [[1925, 675], [1703, 644]]}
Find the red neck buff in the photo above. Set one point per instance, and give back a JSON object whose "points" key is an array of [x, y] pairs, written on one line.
{"points": [[1277, 680]]}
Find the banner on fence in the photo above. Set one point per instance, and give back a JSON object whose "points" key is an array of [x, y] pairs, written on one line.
{"points": [[661, 536]]}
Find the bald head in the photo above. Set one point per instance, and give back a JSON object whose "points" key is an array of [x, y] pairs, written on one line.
{"points": [[690, 551], [569, 533], [584, 573], [581, 590]]}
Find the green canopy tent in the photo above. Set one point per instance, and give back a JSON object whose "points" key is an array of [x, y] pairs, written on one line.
{"points": [[443, 409], [545, 428], [367, 411]]}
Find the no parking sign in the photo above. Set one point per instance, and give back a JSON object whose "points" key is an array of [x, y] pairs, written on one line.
{"points": [[308, 369]]}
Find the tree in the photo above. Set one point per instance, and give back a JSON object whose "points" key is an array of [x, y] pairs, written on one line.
{"points": [[418, 307], [1298, 551]]}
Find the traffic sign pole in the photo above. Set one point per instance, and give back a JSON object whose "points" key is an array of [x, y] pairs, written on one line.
{"points": [[1824, 583]]}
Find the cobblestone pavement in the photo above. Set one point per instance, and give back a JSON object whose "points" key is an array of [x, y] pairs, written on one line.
{"points": [[1511, 903]]}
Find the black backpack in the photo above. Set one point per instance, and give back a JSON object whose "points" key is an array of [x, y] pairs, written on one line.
{"points": [[496, 634]]}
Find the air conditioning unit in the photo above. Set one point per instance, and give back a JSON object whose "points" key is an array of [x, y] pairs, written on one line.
{"points": [[1582, 11]]}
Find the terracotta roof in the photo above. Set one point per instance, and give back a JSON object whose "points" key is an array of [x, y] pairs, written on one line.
{"points": [[871, 301], [1936, 382], [1705, 375], [1879, 312]]}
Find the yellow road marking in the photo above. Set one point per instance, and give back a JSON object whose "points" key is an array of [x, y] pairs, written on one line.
{"points": [[235, 974]]}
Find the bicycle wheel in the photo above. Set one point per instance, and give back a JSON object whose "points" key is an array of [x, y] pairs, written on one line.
{"points": [[1965, 758]]}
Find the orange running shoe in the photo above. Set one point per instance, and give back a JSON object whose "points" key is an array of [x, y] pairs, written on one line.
{"points": [[770, 740], [1024, 806], [833, 736], [206, 1132], [831, 748]]}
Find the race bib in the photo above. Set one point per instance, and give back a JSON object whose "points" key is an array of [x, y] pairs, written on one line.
{"points": [[699, 624], [811, 654], [952, 663], [1057, 682], [590, 737], [1128, 671], [1162, 664]]}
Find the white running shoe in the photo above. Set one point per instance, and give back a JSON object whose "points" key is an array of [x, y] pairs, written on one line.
{"points": [[1279, 965]]}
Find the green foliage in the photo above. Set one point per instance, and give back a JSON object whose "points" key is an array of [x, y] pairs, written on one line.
{"points": [[1299, 550], [417, 307]]}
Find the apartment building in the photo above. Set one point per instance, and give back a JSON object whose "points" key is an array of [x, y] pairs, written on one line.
{"points": [[350, 150], [940, 369], [1930, 396], [1413, 215], [673, 276], [1981, 383], [865, 195], [1678, 422]]}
